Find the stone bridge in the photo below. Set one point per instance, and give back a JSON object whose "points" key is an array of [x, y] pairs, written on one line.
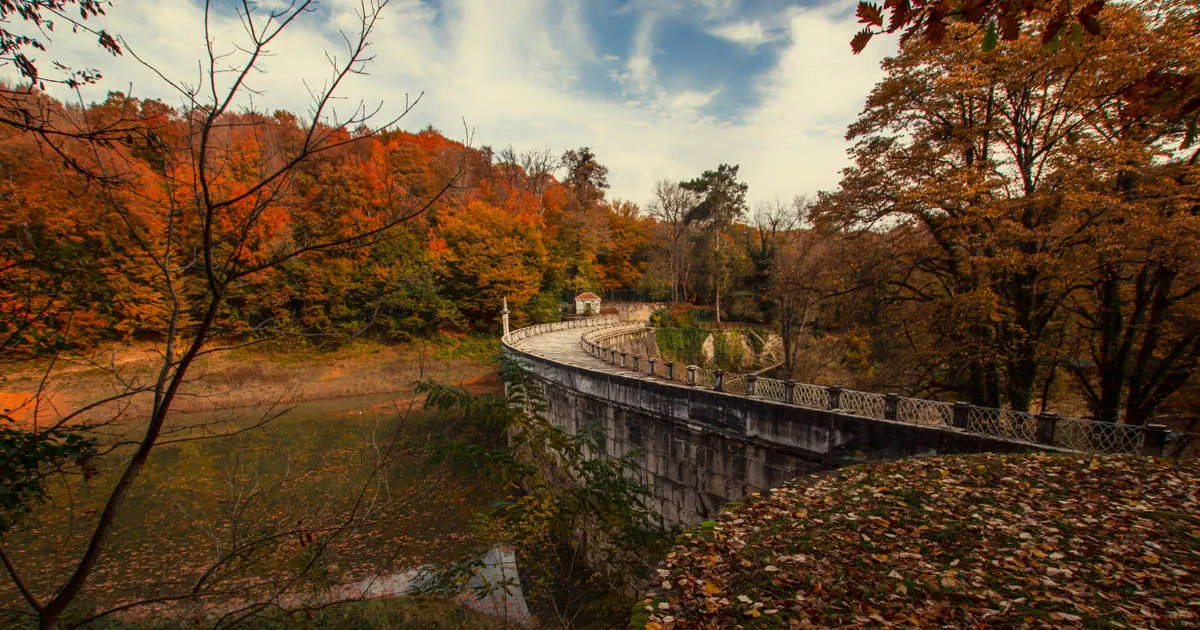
{"points": [[703, 439]]}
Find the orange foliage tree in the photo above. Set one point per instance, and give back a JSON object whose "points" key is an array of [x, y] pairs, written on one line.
{"points": [[1003, 176]]}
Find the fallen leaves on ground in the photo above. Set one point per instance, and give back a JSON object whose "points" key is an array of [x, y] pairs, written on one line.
{"points": [[968, 541]]}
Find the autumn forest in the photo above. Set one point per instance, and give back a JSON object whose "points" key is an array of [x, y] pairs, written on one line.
{"points": [[1019, 226], [1014, 231]]}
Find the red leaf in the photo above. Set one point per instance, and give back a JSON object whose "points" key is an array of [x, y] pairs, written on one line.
{"points": [[975, 11], [935, 31], [869, 14], [860, 40], [1087, 16], [1053, 27], [1093, 8], [1010, 28], [900, 14]]}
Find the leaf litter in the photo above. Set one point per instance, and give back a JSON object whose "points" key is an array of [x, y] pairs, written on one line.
{"points": [[1033, 541]]}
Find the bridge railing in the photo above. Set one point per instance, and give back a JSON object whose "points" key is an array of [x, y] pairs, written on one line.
{"points": [[540, 329], [1046, 429]]}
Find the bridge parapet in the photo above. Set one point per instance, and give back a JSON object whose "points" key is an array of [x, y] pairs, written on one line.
{"points": [[541, 329], [1045, 429], [698, 444]]}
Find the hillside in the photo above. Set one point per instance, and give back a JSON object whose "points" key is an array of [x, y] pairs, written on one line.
{"points": [[975, 541]]}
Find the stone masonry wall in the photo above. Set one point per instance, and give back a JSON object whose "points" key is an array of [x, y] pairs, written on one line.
{"points": [[700, 449]]}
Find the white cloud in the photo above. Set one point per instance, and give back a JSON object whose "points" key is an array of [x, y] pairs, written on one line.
{"points": [[639, 77], [514, 72], [749, 34]]}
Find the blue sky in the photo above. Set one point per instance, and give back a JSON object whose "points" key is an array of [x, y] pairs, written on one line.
{"points": [[658, 88]]}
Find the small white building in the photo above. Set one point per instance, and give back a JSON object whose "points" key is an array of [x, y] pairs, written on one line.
{"points": [[587, 303]]}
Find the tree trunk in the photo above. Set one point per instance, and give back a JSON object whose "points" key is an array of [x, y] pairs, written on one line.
{"points": [[717, 278]]}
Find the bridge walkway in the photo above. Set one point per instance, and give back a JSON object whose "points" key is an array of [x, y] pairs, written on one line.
{"points": [[562, 346]]}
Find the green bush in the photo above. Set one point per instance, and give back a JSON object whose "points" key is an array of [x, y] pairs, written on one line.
{"points": [[674, 316], [682, 345], [728, 352], [578, 518]]}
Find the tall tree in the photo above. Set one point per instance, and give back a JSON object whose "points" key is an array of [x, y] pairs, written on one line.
{"points": [[622, 260], [974, 157], [772, 222], [670, 208], [723, 201], [484, 254]]}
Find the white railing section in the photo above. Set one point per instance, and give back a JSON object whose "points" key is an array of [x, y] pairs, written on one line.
{"points": [[540, 329], [611, 340]]}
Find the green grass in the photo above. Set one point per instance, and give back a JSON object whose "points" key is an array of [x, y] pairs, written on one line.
{"points": [[482, 349]]}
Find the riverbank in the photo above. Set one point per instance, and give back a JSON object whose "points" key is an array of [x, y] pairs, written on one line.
{"points": [[345, 486], [247, 377]]}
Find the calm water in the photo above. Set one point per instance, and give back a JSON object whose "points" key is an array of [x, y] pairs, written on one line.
{"points": [[332, 492]]}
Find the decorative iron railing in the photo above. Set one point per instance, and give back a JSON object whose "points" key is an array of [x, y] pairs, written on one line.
{"points": [[608, 340]]}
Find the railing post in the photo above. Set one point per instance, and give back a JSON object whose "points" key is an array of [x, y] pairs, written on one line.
{"points": [[718, 380], [835, 397], [670, 370], [891, 406], [1045, 427], [960, 414], [623, 358], [789, 392], [650, 366], [1154, 442], [637, 365], [750, 380], [691, 379]]}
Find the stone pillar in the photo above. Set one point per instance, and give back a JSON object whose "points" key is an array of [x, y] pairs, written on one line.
{"points": [[960, 414], [1045, 427], [650, 366], [504, 316], [789, 392], [750, 381], [891, 406], [718, 380], [835, 397], [1154, 442], [691, 379], [670, 370]]}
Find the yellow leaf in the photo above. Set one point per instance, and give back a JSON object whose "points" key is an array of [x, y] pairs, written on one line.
{"points": [[711, 589], [653, 625]]}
